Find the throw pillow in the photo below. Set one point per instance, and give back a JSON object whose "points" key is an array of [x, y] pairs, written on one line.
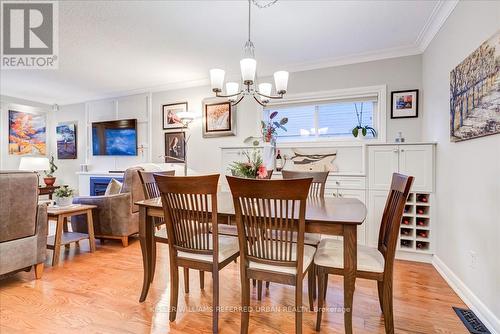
{"points": [[114, 188]]}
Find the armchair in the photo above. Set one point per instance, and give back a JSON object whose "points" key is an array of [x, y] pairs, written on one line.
{"points": [[23, 224], [116, 216]]}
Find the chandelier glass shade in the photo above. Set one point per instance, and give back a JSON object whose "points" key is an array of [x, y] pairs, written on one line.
{"points": [[262, 93]]}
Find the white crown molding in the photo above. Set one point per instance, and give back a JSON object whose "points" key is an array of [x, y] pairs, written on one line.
{"points": [[468, 297], [435, 21]]}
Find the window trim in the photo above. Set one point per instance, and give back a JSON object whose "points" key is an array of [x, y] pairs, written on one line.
{"points": [[380, 119]]}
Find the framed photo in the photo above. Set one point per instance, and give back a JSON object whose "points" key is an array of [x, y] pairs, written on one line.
{"points": [[219, 118], [27, 133], [175, 149], [404, 104], [170, 113], [66, 141]]}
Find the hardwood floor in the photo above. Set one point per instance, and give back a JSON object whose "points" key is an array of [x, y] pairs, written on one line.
{"points": [[99, 292]]}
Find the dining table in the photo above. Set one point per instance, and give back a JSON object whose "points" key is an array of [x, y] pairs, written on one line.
{"points": [[328, 216]]}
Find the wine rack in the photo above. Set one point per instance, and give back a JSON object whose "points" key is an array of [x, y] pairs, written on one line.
{"points": [[415, 231]]}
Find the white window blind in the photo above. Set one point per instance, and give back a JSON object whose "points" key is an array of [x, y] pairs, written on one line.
{"points": [[325, 119]]}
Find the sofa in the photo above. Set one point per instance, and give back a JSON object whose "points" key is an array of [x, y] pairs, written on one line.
{"points": [[116, 216], [23, 224]]}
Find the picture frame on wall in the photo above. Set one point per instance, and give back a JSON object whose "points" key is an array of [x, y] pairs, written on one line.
{"points": [[66, 138], [219, 118], [27, 133], [170, 114], [175, 147], [404, 104]]}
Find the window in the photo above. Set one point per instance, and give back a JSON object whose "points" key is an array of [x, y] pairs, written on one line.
{"points": [[326, 119]]}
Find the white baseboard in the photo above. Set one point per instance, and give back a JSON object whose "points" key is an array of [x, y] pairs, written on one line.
{"points": [[414, 256], [469, 298]]}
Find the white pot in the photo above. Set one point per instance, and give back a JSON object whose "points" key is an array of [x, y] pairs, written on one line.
{"points": [[268, 156], [63, 201]]}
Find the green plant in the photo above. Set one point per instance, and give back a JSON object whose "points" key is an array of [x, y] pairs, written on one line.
{"points": [[364, 129], [252, 168], [52, 168], [270, 128], [63, 192]]}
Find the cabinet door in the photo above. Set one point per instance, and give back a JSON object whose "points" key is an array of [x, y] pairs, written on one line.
{"points": [[417, 161], [382, 162], [361, 195], [376, 205]]}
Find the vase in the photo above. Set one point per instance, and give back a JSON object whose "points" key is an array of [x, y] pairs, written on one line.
{"points": [[49, 181], [63, 201], [268, 155]]}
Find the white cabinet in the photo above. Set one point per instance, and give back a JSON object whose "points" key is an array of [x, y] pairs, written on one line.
{"points": [[361, 195], [376, 205], [414, 160]]}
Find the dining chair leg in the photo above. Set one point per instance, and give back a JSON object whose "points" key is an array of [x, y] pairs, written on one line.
{"points": [[202, 280], [245, 305], [186, 280], [259, 290], [268, 284], [298, 305], [153, 260], [313, 281], [380, 288], [310, 286], [254, 282], [322, 282], [215, 301], [388, 312], [174, 290]]}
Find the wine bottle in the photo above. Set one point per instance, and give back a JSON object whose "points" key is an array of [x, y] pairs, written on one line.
{"points": [[420, 245], [279, 161], [406, 222], [422, 234], [405, 243], [420, 211]]}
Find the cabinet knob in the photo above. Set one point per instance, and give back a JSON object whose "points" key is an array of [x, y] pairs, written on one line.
{"points": [[395, 150], [337, 183], [402, 150]]}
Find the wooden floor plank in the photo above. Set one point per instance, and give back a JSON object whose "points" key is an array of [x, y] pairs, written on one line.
{"points": [[98, 293]]}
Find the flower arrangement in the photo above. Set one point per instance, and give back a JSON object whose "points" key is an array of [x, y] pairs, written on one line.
{"points": [[270, 128], [364, 129], [252, 168], [63, 192]]}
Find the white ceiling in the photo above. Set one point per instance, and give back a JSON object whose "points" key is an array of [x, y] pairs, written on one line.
{"points": [[109, 48]]}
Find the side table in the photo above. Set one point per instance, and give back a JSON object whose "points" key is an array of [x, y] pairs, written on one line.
{"points": [[62, 236]]}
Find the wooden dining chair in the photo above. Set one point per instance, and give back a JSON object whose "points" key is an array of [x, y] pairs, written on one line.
{"points": [[151, 190], [190, 208], [373, 263], [263, 207], [317, 190]]}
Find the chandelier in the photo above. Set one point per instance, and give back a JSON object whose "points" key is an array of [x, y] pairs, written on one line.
{"points": [[262, 93]]}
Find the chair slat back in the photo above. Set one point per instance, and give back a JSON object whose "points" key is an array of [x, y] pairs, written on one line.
{"points": [[149, 183], [318, 183], [187, 203], [267, 214], [391, 218]]}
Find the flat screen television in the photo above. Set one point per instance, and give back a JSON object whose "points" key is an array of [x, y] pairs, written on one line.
{"points": [[114, 137]]}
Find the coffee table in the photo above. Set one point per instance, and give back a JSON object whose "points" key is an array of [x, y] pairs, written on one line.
{"points": [[62, 236]]}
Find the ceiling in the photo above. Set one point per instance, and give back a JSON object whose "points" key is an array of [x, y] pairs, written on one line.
{"points": [[110, 48]]}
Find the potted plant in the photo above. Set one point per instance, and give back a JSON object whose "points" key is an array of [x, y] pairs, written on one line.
{"points": [[359, 129], [49, 178], [270, 128], [252, 168], [63, 196]]}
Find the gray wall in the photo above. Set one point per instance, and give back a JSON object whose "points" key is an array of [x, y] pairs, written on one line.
{"points": [[468, 173]]}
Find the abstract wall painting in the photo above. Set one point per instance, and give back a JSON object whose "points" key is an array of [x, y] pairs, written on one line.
{"points": [[27, 133], [218, 118], [475, 93], [66, 141]]}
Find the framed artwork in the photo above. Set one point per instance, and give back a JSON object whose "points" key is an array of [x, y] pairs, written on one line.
{"points": [[219, 118], [170, 113], [66, 141], [404, 104], [175, 147], [27, 133], [475, 94]]}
